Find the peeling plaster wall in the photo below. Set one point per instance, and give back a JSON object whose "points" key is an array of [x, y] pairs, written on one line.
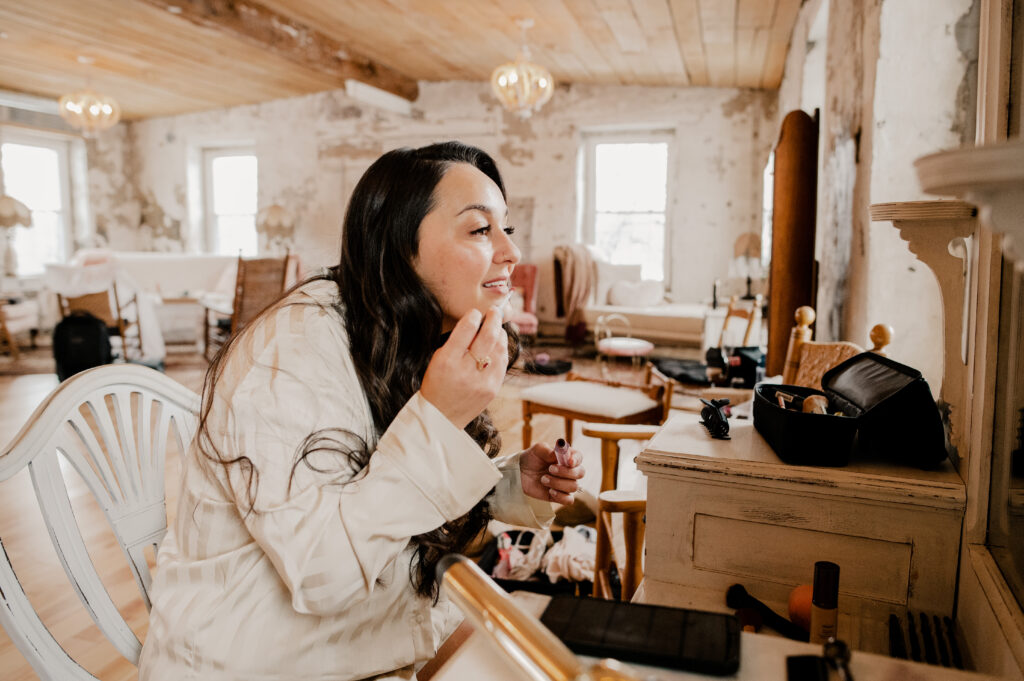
{"points": [[918, 109], [899, 85], [313, 149], [113, 195], [850, 67], [792, 85]]}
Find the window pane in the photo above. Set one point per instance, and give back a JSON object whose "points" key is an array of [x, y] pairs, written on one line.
{"points": [[32, 175], [633, 239], [236, 233], [43, 243], [631, 177], [234, 184]]}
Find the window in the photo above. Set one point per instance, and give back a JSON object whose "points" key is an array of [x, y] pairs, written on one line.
{"points": [[626, 193], [230, 181], [35, 171]]}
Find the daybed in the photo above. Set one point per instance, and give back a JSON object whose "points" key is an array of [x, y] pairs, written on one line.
{"points": [[619, 290]]}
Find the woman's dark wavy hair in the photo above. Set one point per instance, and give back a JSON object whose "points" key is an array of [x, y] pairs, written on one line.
{"points": [[394, 325]]}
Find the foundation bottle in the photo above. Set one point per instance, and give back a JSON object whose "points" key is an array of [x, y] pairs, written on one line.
{"points": [[824, 601]]}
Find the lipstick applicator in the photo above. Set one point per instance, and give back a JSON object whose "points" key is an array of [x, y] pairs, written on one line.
{"points": [[562, 453]]}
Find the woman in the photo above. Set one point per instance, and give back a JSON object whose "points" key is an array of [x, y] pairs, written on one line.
{"points": [[341, 446]]}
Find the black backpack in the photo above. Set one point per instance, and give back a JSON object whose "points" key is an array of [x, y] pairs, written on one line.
{"points": [[80, 342]]}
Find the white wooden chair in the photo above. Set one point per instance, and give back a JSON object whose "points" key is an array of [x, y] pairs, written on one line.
{"points": [[111, 424]]}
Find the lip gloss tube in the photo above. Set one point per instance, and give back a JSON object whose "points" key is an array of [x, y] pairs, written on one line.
{"points": [[562, 453]]}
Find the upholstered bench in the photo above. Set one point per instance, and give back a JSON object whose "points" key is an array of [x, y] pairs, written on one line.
{"points": [[598, 401]]}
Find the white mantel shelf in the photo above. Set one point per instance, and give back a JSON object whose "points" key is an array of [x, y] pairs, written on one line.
{"points": [[955, 172], [990, 176]]}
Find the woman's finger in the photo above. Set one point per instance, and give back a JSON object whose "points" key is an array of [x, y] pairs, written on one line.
{"points": [[483, 345], [465, 331], [561, 497], [560, 484], [574, 473], [501, 349]]}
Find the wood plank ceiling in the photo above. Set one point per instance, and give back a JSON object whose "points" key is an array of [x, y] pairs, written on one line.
{"points": [[163, 57]]}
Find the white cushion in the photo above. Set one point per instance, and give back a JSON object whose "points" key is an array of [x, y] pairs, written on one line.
{"points": [[620, 346], [636, 293], [21, 317], [590, 398], [607, 276]]}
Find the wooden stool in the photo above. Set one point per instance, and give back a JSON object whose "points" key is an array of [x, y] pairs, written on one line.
{"points": [[610, 434], [633, 506]]}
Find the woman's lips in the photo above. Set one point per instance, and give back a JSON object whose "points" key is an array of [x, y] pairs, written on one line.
{"points": [[500, 286]]}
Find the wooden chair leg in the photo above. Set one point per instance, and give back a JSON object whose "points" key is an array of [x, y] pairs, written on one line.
{"points": [[609, 463], [633, 571], [8, 337], [630, 564], [206, 335], [603, 557], [527, 427]]}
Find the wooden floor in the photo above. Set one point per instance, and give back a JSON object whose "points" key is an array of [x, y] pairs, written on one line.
{"points": [[25, 538]]}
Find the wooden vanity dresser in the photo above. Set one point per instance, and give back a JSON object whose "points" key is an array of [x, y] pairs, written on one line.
{"points": [[722, 512]]}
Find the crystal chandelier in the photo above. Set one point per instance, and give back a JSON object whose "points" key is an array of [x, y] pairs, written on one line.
{"points": [[522, 86], [89, 111]]}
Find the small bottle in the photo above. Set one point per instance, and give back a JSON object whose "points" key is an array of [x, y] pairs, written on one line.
{"points": [[824, 601]]}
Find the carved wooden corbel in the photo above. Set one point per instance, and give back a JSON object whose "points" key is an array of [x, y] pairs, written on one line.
{"points": [[940, 235]]}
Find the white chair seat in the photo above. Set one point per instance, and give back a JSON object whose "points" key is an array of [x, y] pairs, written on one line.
{"points": [[593, 398], [623, 346]]}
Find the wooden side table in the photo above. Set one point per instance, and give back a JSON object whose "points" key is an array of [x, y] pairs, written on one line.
{"points": [[721, 512]]}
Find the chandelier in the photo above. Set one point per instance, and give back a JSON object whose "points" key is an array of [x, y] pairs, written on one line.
{"points": [[89, 111], [521, 86]]}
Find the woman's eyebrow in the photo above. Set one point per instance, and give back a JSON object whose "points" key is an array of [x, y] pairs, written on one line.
{"points": [[480, 207], [476, 206]]}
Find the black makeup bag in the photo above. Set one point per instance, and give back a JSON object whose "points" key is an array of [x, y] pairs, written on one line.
{"points": [[877, 408]]}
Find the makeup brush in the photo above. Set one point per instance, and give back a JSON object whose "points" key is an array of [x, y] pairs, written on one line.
{"points": [[737, 597]]}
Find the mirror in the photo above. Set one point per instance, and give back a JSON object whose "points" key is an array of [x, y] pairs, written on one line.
{"points": [[1006, 500]]}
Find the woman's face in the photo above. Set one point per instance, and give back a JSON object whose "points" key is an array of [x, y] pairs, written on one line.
{"points": [[466, 255]]}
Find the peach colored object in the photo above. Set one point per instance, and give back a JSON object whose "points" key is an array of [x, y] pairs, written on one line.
{"points": [[800, 605]]}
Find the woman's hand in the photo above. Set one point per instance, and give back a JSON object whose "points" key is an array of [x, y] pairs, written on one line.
{"points": [[543, 478], [465, 373]]}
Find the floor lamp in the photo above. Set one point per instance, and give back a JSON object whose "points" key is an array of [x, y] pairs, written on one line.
{"points": [[12, 213]]}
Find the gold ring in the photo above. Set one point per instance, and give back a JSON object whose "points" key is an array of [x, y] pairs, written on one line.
{"points": [[481, 362]]}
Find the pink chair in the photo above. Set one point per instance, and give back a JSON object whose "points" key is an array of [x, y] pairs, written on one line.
{"points": [[524, 281]]}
